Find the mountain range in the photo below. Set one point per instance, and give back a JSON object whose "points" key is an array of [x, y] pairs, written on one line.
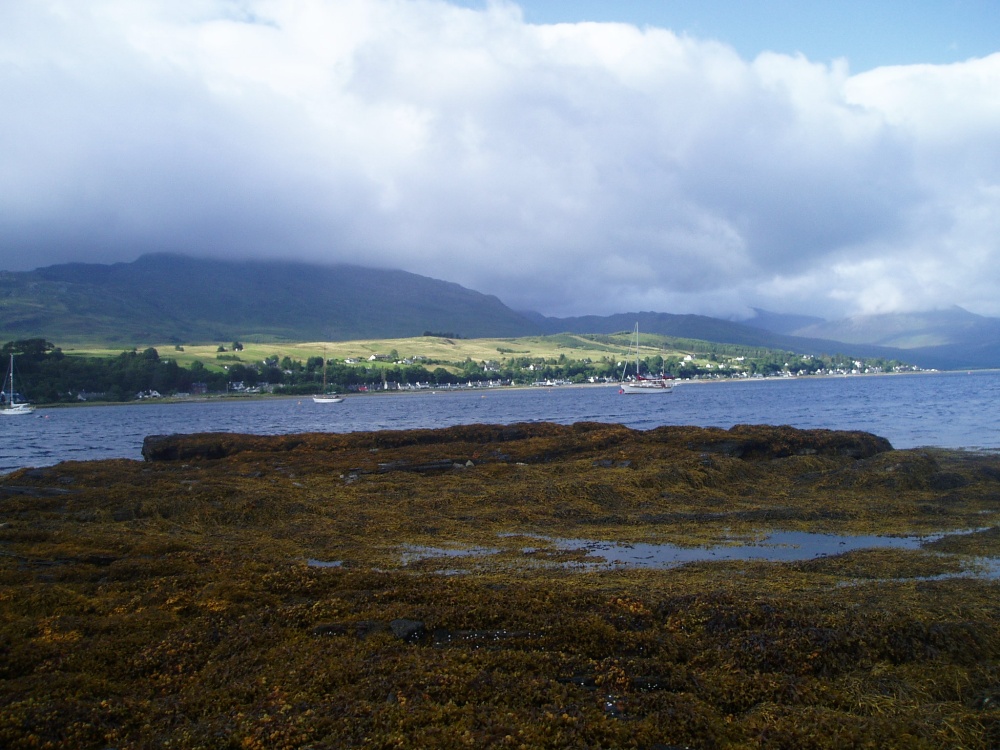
{"points": [[172, 298]]}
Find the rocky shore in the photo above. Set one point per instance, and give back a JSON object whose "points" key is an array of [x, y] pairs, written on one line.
{"points": [[442, 588]]}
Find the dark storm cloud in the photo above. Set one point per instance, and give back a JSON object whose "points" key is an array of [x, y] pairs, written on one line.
{"points": [[574, 168]]}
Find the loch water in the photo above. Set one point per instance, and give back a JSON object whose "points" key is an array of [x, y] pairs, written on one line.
{"points": [[943, 409]]}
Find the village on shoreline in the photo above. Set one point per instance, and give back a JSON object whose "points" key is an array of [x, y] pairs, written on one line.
{"points": [[50, 375]]}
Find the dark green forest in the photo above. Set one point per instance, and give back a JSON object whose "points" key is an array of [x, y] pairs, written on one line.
{"points": [[45, 375]]}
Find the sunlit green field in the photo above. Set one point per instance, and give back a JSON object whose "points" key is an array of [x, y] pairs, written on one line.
{"points": [[441, 350]]}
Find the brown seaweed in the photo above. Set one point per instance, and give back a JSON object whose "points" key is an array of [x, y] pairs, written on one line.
{"points": [[171, 601]]}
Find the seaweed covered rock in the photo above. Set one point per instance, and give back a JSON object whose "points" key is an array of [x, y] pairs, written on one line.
{"points": [[541, 441], [454, 588], [763, 442]]}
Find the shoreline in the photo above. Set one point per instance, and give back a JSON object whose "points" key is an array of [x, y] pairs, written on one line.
{"points": [[561, 386], [940, 410]]}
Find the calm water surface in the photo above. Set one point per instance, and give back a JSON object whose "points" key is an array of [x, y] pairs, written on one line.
{"points": [[952, 410]]}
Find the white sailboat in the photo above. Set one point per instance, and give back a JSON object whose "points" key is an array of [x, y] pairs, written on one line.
{"points": [[641, 384], [10, 408], [323, 397]]}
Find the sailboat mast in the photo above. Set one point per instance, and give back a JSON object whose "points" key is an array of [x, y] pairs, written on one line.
{"points": [[636, 351]]}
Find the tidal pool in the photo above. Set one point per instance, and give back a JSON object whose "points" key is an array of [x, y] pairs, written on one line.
{"points": [[778, 546]]}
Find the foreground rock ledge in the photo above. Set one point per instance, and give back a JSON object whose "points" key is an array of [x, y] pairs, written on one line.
{"points": [[404, 590], [742, 441]]}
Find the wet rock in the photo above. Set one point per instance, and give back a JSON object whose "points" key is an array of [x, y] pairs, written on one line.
{"points": [[406, 630], [410, 631], [947, 480], [987, 700], [899, 470], [365, 628], [9, 490], [330, 628], [182, 447], [101, 561], [425, 467], [765, 442], [444, 637]]}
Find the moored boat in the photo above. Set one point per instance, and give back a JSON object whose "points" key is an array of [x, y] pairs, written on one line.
{"points": [[10, 406], [641, 384], [323, 397], [328, 398]]}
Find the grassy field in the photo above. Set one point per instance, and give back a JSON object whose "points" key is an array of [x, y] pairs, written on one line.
{"points": [[442, 350]]}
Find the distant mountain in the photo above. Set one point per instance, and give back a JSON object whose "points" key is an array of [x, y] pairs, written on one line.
{"points": [[781, 322], [945, 339], [174, 298], [705, 328], [178, 299], [908, 330], [665, 324]]}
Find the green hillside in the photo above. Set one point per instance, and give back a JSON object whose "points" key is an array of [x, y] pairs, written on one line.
{"points": [[176, 299]]}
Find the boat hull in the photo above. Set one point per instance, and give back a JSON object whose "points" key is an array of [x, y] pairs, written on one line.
{"points": [[645, 387], [331, 399], [17, 409]]}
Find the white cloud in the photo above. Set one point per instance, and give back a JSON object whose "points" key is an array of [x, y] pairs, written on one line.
{"points": [[574, 168]]}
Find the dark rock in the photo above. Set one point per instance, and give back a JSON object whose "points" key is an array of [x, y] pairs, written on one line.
{"points": [[126, 514], [444, 464], [410, 631], [9, 490], [365, 628], [987, 700], [181, 447], [330, 628], [764, 442], [946, 480], [612, 709], [443, 637]]}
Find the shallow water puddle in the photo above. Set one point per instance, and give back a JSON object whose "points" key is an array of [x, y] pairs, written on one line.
{"points": [[324, 563], [779, 546]]}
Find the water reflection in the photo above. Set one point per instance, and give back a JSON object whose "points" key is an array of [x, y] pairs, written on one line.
{"points": [[779, 546]]}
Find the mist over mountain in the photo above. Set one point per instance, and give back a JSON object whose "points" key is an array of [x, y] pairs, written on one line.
{"points": [[911, 330], [953, 338], [784, 323], [706, 328], [168, 298]]}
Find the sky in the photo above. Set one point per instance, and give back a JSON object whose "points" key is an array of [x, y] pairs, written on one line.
{"points": [[571, 158]]}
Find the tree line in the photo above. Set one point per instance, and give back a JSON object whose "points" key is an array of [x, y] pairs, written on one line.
{"points": [[46, 375]]}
